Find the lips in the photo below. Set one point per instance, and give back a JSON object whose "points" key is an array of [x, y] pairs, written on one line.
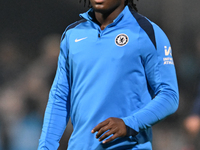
{"points": [[99, 1]]}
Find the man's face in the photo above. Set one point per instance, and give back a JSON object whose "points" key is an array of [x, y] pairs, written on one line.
{"points": [[106, 6]]}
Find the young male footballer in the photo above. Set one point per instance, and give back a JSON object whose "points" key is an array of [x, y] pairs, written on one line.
{"points": [[115, 79]]}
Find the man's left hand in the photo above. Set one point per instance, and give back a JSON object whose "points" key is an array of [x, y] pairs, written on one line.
{"points": [[111, 126]]}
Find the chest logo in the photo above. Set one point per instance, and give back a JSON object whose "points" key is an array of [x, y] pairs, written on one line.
{"points": [[121, 40], [78, 40]]}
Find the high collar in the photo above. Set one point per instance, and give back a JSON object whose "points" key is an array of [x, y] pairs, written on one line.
{"points": [[89, 15]]}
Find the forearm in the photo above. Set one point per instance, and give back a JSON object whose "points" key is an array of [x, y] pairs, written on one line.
{"points": [[55, 121], [160, 107]]}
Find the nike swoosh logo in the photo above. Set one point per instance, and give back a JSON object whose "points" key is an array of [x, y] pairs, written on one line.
{"points": [[77, 40]]}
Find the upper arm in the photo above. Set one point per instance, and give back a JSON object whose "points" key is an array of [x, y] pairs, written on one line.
{"points": [[159, 65], [161, 75]]}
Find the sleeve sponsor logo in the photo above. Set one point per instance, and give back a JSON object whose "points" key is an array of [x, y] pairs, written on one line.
{"points": [[168, 60], [168, 51]]}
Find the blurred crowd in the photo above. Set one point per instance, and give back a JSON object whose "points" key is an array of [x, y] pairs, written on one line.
{"points": [[25, 81], [24, 91]]}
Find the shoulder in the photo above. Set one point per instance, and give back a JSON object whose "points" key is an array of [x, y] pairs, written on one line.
{"points": [[72, 26], [146, 25], [152, 30]]}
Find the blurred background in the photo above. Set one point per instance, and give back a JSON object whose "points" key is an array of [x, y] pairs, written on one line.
{"points": [[30, 32]]}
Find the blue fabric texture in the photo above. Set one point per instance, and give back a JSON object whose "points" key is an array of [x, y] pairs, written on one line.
{"points": [[125, 71]]}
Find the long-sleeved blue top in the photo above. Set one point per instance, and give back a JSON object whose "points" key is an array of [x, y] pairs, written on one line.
{"points": [[125, 71]]}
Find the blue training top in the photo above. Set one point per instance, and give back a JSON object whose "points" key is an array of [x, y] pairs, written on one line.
{"points": [[125, 71]]}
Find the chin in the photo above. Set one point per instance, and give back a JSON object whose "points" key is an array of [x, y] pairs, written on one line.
{"points": [[100, 9]]}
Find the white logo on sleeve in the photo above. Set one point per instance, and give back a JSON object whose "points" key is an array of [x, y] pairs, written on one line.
{"points": [[78, 40], [168, 51], [168, 60]]}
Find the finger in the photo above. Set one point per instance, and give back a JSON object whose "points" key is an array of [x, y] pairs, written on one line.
{"points": [[107, 134], [111, 138], [102, 130], [99, 126]]}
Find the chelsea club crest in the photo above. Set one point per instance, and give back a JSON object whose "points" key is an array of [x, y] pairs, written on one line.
{"points": [[121, 40]]}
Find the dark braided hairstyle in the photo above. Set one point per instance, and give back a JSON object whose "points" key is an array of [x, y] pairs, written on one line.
{"points": [[127, 2], [131, 4]]}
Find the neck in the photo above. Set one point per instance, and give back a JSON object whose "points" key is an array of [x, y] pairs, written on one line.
{"points": [[105, 19]]}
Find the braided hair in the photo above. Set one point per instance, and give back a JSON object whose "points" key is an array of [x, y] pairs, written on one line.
{"points": [[127, 2], [131, 4]]}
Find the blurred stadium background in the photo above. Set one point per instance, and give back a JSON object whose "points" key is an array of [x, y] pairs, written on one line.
{"points": [[30, 32]]}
